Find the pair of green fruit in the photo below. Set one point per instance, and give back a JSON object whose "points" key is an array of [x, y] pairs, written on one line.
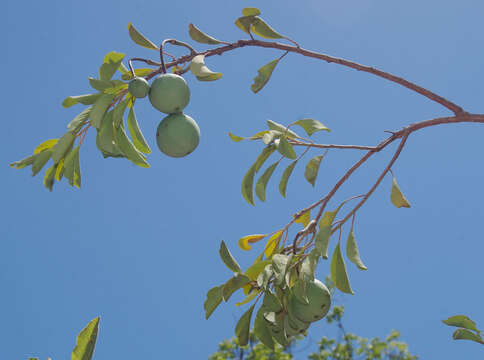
{"points": [[177, 134]]}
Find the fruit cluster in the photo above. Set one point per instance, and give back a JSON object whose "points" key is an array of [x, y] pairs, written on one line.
{"points": [[177, 134]]}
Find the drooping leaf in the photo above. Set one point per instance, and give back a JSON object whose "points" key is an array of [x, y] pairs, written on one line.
{"points": [[77, 170], [201, 71], [107, 86], [260, 186], [86, 341], [397, 197], [248, 184], [235, 138], [228, 259], [285, 148], [118, 113], [352, 251], [248, 298], [127, 148], [263, 75], [263, 29], [70, 164], [321, 243], [285, 178], [199, 36], [311, 126], [142, 72], [136, 135], [99, 109], [140, 39], [40, 160], [105, 138], [47, 144], [272, 243], [59, 172], [20, 164], [88, 99], [250, 11], [243, 326], [264, 277], [112, 61], [49, 177], [461, 321], [214, 298], [264, 155], [80, 120], [271, 302], [338, 271], [250, 239], [233, 284], [464, 334], [282, 129], [280, 263], [304, 219], [308, 266], [62, 146], [262, 331], [254, 271], [312, 169], [244, 23]]}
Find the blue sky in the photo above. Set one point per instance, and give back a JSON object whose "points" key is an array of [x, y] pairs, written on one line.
{"points": [[139, 247]]}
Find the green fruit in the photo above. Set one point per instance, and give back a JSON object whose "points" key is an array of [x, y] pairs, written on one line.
{"points": [[169, 93], [319, 302], [139, 87], [177, 135]]}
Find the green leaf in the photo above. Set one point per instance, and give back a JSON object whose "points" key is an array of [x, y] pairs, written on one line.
{"points": [[201, 71], [214, 298], [248, 184], [260, 186], [464, 334], [311, 126], [235, 138], [62, 146], [338, 271], [308, 266], [280, 263], [254, 271], [244, 23], [47, 144], [138, 139], [104, 85], [105, 138], [233, 284], [40, 160], [271, 302], [199, 36], [250, 11], [263, 76], [461, 321], [142, 72], [397, 197], [282, 129], [312, 169], [285, 148], [352, 251], [49, 177], [127, 148], [264, 277], [228, 259], [321, 243], [77, 171], [299, 291], [20, 164], [285, 178], [99, 108], [139, 38], [88, 99], [118, 113], [80, 120], [264, 155], [243, 326], [112, 61], [264, 30], [248, 298], [262, 331], [86, 341], [70, 164]]}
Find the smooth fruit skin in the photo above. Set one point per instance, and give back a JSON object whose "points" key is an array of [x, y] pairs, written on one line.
{"points": [[319, 302], [139, 87], [169, 93], [177, 135]]}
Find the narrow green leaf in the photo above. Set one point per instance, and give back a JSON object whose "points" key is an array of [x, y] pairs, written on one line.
{"points": [[88, 99], [105, 138], [311, 126], [80, 120], [199, 36], [62, 146], [461, 321], [243, 326], [321, 243], [338, 271], [248, 184], [70, 164], [233, 284], [127, 148], [264, 30], [104, 85], [271, 302], [214, 298], [280, 263], [262, 331], [285, 148], [264, 155], [312, 169], [20, 164], [263, 76], [40, 160], [49, 177], [118, 113], [352, 252], [282, 129], [260, 186], [397, 197], [86, 341], [250, 11], [136, 135], [99, 108], [112, 61], [77, 171], [244, 23], [142, 72], [139, 38], [285, 178], [201, 71], [464, 334], [228, 259]]}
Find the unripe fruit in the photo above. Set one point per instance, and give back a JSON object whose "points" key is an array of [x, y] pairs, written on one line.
{"points": [[177, 135], [139, 87], [319, 302], [169, 93]]}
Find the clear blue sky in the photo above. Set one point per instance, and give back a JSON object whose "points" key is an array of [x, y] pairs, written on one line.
{"points": [[139, 247]]}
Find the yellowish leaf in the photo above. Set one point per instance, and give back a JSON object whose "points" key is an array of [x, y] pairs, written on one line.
{"points": [[47, 144], [272, 243], [250, 239], [248, 298], [304, 218], [397, 197]]}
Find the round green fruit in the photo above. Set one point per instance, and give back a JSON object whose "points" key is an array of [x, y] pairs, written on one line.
{"points": [[139, 87], [169, 93], [177, 135], [319, 302]]}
